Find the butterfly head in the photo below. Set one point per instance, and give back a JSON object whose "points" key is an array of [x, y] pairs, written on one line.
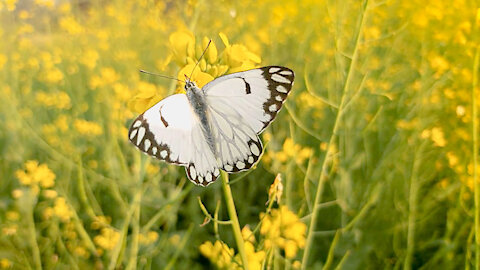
{"points": [[189, 84]]}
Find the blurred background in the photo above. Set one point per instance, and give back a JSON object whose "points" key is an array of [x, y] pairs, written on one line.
{"points": [[379, 130]]}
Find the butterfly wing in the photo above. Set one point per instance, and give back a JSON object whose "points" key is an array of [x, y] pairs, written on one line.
{"points": [[171, 132], [241, 106]]}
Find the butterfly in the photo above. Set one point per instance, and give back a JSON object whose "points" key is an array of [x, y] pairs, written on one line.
{"points": [[216, 127]]}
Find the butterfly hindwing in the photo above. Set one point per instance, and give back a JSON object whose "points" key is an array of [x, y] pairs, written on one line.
{"points": [[237, 145]]}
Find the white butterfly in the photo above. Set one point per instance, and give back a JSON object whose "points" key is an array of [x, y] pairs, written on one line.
{"points": [[215, 127]]}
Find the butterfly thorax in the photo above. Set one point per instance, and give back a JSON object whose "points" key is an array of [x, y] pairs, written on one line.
{"points": [[197, 100]]}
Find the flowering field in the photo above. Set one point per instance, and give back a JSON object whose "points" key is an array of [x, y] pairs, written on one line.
{"points": [[371, 164]]}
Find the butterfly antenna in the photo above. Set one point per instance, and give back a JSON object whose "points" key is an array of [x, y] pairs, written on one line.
{"points": [[160, 75], [201, 56]]}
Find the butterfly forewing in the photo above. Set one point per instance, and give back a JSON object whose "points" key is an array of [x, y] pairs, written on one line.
{"points": [[171, 132], [256, 94], [160, 130]]}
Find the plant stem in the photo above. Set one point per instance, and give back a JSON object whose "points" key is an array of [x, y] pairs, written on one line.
{"points": [[412, 211], [132, 263], [234, 218], [323, 174], [33, 234], [475, 156]]}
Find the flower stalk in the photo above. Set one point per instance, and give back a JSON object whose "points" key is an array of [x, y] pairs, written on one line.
{"points": [[232, 212], [475, 156]]}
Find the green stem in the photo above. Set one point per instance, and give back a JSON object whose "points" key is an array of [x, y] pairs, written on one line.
{"points": [[132, 263], [475, 156], [323, 174], [331, 252], [33, 235], [412, 212], [207, 214], [232, 212], [82, 194]]}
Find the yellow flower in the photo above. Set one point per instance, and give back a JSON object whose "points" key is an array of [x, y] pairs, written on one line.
{"points": [[182, 44], [174, 239], [89, 58], [219, 254], [152, 169], [89, 128], [100, 222], [25, 29], [107, 77], [5, 263], [238, 57], [11, 4], [224, 257], [148, 95], [247, 234], [297, 265], [70, 25], [59, 100], [255, 259], [439, 64], [36, 174], [291, 150], [62, 210], [452, 159], [372, 33], [45, 3], [62, 123], [282, 228], [17, 193], [3, 60], [81, 251], [437, 137], [52, 75], [147, 238], [10, 230], [199, 77], [65, 8], [12, 215], [107, 239], [49, 193]]}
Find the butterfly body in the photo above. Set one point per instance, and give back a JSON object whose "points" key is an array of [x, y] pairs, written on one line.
{"points": [[197, 100], [215, 127]]}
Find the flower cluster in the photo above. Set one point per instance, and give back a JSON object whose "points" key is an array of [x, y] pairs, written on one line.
{"points": [[282, 228], [289, 151], [35, 175], [224, 257], [107, 239], [279, 229], [186, 52]]}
